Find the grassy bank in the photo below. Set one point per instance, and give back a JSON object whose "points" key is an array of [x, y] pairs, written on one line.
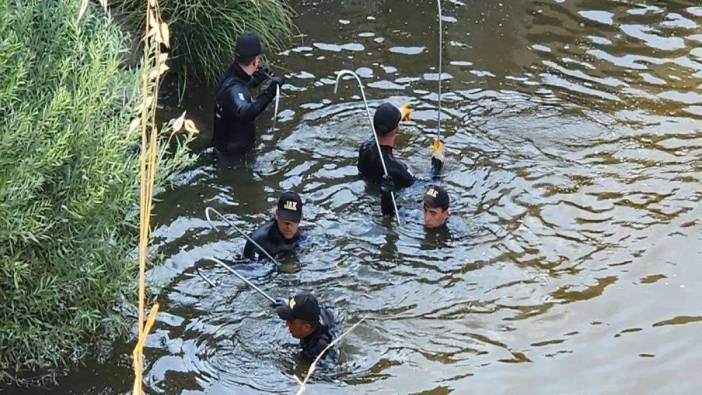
{"points": [[69, 179], [205, 31]]}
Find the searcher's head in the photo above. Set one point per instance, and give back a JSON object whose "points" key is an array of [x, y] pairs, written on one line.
{"points": [[248, 51], [436, 207], [301, 314], [386, 122], [288, 214]]}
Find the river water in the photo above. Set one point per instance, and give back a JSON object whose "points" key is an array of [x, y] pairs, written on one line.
{"points": [[574, 155]]}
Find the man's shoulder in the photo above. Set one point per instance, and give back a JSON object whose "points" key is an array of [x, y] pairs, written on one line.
{"points": [[318, 343], [367, 147], [262, 232]]}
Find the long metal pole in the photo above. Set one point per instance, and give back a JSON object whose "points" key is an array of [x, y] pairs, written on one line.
{"points": [[207, 214], [375, 136], [199, 273], [441, 44], [277, 103], [244, 279]]}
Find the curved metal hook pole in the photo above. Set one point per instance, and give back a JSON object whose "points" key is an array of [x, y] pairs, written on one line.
{"points": [[244, 279], [370, 120], [277, 104], [441, 44], [207, 215], [199, 273]]}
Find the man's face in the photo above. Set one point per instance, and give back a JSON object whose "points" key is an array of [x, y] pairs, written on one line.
{"points": [[286, 228], [299, 329], [435, 217]]}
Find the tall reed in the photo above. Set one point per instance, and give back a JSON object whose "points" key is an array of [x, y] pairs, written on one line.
{"points": [[156, 40]]}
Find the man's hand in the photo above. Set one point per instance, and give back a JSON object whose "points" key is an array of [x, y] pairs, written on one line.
{"points": [[279, 302], [406, 112], [260, 75], [275, 82], [437, 156], [387, 185]]}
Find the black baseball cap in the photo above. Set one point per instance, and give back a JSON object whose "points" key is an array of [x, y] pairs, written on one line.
{"points": [[290, 207], [386, 118], [248, 46], [303, 306], [436, 197]]}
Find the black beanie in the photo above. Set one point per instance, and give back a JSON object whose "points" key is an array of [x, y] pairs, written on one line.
{"points": [[387, 117], [248, 46]]}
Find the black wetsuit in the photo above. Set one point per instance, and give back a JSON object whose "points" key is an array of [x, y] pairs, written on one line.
{"points": [[235, 112], [268, 236], [323, 334], [371, 168]]}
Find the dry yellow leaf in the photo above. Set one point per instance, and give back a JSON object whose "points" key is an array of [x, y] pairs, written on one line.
{"points": [[153, 31], [178, 123], [83, 8], [152, 20], [153, 74], [162, 69], [190, 126], [133, 126], [146, 104], [165, 34]]}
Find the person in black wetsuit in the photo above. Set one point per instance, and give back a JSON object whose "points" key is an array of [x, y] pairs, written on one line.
{"points": [[235, 109], [280, 235], [308, 321], [386, 122]]}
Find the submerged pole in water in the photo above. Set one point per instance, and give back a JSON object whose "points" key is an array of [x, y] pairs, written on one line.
{"points": [[375, 136], [244, 279], [207, 215], [277, 103], [441, 44]]}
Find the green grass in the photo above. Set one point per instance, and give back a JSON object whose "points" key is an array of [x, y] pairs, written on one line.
{"points": [[204, 32], [69, 179]]}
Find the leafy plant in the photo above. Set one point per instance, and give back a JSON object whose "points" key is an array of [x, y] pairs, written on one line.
{"points": [[205, 31], [69, 181]]}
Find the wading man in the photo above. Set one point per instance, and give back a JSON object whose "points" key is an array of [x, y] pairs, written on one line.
{"points": [[235, 108], [386, 122], [307, 321], [280, 235]]}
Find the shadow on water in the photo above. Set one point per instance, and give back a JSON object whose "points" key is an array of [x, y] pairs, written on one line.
{"points": [[574, 172]]}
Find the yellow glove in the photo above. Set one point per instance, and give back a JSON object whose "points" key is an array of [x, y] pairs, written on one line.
{"points": [[437, 149], [406, 112]]}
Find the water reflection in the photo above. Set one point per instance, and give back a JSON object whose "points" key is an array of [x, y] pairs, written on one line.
{"points": [[574, 147]]}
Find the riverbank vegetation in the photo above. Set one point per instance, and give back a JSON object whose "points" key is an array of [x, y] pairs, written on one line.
{"points": [[205, 31], [69, 183]]}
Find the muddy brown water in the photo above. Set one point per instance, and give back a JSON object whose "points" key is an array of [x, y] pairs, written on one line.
{"points": [[574, 263]]}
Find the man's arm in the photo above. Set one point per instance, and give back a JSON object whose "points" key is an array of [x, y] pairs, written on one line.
{"points": [[401, 176], [387, 186], [235, 99], [250, 251]]}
